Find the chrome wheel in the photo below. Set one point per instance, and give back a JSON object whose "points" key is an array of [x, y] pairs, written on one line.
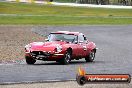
{"points": [[67, 58], [90, 57]]}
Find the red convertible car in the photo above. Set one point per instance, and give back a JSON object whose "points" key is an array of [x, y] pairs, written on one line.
{"points": [[62, 47]]}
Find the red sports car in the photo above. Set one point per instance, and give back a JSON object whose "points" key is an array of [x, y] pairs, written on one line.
{"points": [[62, 47]]}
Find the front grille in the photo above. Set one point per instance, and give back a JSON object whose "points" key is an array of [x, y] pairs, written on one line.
{"points": [[35, 53]]}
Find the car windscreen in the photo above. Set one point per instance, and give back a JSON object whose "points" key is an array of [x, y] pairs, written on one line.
{"points": [[62, 37]]}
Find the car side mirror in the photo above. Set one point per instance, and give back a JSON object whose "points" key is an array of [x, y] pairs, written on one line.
{"points": [[46, 39], [87, 41]]}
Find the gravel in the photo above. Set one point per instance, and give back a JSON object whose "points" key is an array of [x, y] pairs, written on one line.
{"points": [[12, 41]]}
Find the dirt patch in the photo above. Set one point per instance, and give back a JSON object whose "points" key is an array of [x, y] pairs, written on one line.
{"points": [[13, 39]]}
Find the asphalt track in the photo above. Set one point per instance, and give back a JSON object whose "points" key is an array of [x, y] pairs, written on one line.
{"points": [[114, 56]]}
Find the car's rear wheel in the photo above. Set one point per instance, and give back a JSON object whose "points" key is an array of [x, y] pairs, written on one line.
{"points": [[30, 60], [67, 58], [90, 57]]}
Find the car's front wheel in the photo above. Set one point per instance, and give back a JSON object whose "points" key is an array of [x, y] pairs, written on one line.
{"points": [[67, 58], [30, 60], [90, 57]]}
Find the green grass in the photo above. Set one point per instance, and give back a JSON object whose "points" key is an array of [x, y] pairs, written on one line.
{"points": [[52, 20], [61, 15]]}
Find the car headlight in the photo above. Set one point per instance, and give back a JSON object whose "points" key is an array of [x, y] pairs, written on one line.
{"points": [[27, 47], [58, 48]]}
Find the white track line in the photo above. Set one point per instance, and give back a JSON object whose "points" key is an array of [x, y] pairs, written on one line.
{"points": [[92, 5]]}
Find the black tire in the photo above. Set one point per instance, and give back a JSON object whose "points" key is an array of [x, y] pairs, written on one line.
{"points": [[30, 60], [67, 58], [90, 57], [81, 80]]}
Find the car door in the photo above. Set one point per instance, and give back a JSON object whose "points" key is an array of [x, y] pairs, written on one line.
{"points": [[76, 48], [82, 45]]}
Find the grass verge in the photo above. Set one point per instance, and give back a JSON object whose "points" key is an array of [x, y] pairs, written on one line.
{"points": [[53, 20], [61, 15]]}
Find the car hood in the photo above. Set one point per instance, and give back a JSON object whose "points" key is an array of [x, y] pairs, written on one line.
{"points": [[45, 46]]}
